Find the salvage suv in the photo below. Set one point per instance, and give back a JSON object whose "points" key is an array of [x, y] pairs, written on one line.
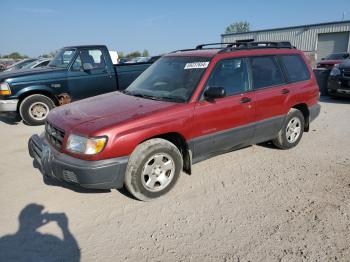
{"points": [[187, 107]]}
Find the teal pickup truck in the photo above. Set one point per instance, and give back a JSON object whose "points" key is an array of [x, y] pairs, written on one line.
{"points": [[75, 73]]}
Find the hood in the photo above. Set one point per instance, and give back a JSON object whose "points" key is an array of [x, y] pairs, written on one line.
{"points": [[330, 62], [94, 114], [28, 74]]}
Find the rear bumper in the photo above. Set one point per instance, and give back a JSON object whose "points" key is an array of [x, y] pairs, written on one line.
{"points": [[314, 112], [101, 174], [8, 105]]}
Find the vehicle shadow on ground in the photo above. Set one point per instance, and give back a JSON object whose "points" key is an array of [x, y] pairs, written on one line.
{"points": [[28, 244], [10, 119], [268, 144], [335, 100]]}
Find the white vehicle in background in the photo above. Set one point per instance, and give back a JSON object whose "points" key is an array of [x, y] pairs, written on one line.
{"points": [[114, 57], [41, 62]]}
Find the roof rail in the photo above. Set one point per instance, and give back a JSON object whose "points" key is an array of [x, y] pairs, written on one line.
{"points": [[241, 45], [256, 45]]}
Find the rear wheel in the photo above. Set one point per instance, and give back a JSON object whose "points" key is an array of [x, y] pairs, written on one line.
{"points": [[291, 131], [153, 169], [35, 108]]}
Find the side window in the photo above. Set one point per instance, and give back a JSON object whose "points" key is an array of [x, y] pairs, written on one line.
{"points": [[77, 66], [266, 72], [295, 68], [94, 57], [230, 74]]}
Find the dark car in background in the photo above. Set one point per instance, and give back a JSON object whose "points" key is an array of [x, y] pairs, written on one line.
{"points": [[329, 61], [339, 80]]}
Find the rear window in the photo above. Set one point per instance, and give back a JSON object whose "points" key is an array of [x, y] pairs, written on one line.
{"points": [[266, 72], [295, 68]]}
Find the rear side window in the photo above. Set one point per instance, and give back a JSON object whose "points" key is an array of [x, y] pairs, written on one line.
{"points": [[266, 72], [295, 68]]}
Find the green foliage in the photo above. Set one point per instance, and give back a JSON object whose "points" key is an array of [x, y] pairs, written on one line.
{"points": [[15, 55], [238, 27], [145, 53], [133, 54], [121, 55]]}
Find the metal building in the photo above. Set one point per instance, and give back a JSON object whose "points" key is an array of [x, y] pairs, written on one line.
{"points": [[316, 40]]}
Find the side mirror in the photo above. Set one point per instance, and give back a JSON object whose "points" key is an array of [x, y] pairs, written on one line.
{"points": [[87, 66], [214, 92]]}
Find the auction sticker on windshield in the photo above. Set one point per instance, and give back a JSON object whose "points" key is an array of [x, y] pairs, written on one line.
{"points": [[196, 65]]}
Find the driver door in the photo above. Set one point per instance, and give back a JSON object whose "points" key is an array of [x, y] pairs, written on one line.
{"points": [[94, 81], [225, 123]]}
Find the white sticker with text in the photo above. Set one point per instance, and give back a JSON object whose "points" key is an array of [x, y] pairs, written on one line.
{"points": [[196, 65]]}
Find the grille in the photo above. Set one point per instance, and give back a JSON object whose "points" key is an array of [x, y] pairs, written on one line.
{"points": [[54, 135], [346, 73]]}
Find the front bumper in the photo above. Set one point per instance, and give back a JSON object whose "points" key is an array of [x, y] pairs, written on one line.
{"points": [[101, 174], [339, 87], [8, 105]]}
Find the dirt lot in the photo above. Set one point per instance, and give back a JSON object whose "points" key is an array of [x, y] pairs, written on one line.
{"points": [[257, 204]]}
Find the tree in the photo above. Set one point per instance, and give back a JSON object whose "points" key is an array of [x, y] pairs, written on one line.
{"points": [[133, 54], [145, 53], [15, 55], [121, 55], [238, 27]]}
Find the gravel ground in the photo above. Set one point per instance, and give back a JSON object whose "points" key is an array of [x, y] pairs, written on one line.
{"points": [[255, 204]]}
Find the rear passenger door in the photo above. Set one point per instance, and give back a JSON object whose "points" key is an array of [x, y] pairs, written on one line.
{"points": [[225, 123], [271, 97]]}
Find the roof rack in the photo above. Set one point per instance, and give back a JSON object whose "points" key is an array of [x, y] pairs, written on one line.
{"points": [[242, 45]]}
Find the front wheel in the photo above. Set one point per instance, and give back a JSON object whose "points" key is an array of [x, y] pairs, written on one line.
{"points": [[35, 108], [153, 169], [291, 131]]}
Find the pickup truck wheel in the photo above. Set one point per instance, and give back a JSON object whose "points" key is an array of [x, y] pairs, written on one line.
{"points": [[35, 108], [153, 169], [291, 131]]}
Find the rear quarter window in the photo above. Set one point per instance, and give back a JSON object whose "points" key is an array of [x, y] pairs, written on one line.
{"points": [[295, 68]]}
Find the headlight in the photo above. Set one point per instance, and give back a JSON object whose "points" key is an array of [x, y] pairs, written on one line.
{"points": [[84, 145], [335, 70], [5, 89]]}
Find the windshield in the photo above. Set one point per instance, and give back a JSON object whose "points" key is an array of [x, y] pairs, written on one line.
{"points": [[20, 64], [63, 58], [337, 56], [170, 78]]}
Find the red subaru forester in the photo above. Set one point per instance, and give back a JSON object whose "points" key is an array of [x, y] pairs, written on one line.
{"points": [[187, 107]]}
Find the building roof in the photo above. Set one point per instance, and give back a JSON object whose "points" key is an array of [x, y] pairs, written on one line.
{"points": [[289, 27]]}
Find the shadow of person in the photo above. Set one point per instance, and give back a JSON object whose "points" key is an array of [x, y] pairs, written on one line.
{"points": [[27, 244], [10, 118]]}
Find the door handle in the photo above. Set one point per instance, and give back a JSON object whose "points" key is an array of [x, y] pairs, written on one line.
{"points": [[245, 100], [285, 91]]}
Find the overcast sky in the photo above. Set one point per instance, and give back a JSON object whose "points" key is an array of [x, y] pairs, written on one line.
{"points": [[34, 27]]}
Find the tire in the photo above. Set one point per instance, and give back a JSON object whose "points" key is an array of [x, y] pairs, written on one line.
{"points": [[35, 108], [291, 131], [153, 169]]}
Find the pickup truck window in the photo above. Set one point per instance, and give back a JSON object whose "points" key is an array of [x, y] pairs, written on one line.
{"points": [[77, 65], [63, 58], [232, 75], [93, 57], [170, 78]]}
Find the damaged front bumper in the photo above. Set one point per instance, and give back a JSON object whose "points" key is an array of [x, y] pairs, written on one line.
{"points": [[101, 174]]}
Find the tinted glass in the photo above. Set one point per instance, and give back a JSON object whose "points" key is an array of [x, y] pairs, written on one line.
{"points": [[295, 68], [62, 58], [170, 78], [94, 57], [231, 75], [266, 72], [77, 64]]}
